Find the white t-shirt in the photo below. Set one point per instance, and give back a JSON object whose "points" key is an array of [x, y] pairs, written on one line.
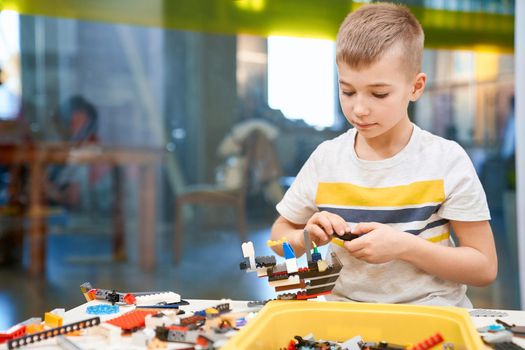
{"points": [[429, 182]]}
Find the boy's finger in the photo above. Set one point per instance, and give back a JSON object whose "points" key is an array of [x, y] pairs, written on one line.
{"points": [[364, 227], [339, 224], [354, 246], [318, 234], [325, 224]]}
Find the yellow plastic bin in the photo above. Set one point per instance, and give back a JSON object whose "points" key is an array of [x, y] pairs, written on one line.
{"points": [[279, 321]]}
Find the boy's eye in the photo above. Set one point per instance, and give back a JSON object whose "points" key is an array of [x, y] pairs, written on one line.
{"points": [[380, 95], [348, 93]]}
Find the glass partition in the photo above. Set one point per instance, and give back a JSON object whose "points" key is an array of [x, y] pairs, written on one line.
{"points": [[129, 159]]}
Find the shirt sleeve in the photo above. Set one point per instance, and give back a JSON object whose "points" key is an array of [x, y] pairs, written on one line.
{"points": [[298, 203], [465, 198]]}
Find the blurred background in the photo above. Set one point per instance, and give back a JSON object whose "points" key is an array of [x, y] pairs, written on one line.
{"points": [[142, 141]]}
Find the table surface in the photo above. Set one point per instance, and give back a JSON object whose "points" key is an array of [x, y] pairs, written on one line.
{"points": [[98, 342]]}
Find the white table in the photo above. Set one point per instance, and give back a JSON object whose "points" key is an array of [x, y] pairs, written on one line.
{"points": [[95, 342], [514, 317], [98, 342]]}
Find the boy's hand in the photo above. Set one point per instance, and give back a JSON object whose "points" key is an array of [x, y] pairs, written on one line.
{"points": [[381, 243], [323, 225]]}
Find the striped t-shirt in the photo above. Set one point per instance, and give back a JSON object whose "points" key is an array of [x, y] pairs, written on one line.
{"points": [[421, 188]]}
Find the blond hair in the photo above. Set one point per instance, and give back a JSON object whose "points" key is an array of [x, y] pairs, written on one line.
{"points": [[367, 33]]}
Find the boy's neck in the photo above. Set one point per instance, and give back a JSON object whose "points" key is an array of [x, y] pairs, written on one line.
{"points": [[385, 145]]}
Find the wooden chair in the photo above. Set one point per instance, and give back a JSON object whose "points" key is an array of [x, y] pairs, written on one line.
{"points": [[219, 195]]}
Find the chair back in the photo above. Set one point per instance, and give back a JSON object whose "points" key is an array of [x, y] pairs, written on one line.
{"points": [[261, 163]]}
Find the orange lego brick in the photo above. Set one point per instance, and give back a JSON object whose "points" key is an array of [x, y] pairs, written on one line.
{"points": [[131, 321]]}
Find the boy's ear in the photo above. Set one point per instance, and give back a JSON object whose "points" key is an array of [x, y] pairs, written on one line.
{"points": [[418, 86]]}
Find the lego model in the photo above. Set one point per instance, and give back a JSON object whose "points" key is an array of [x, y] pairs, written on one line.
{"points": [[140, 299], [317, 279], [112, 296]]}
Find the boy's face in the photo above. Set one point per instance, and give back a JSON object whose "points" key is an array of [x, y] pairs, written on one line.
{"points": [[375, 99]]}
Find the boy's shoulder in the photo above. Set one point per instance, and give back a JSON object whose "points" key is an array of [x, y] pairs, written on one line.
{"points": [[342, 140], [440, 144], [335, 147]]}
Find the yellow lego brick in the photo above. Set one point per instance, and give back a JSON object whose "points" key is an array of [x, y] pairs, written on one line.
{"points": [[211, 311], [271, 243], [52, 320]]}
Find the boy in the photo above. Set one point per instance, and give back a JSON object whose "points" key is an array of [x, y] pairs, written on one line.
{"points": [[401, 189]]}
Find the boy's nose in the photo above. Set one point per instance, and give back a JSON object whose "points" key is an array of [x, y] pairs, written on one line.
{"points": [[360, 110]]}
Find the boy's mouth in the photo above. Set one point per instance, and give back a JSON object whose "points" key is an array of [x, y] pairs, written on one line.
{"points": [[364, 126]]}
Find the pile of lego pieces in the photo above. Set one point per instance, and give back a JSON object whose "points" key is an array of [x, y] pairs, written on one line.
{"points": [[499, 335], [142, 320], [357, 343], [204, 329]]}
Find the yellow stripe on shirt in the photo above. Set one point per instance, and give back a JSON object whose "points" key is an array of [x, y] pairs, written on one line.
{"points": [[345, 194], [439, 238], [435, 239]]}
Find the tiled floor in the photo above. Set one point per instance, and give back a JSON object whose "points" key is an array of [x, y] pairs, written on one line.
{"points": [[209, 269]]}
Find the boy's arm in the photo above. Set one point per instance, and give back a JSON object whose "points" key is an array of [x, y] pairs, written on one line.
{"points": [[473, 262]]}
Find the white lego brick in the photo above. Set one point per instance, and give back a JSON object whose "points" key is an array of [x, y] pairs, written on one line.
{"points": [[152, 299], [110, 332], [248, 251], [262, 272], [142, 337], [289, 281], [291, 265], [157, 320], [353, 344], [58, 311]]}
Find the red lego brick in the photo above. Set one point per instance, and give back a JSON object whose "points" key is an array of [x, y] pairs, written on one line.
{"points": [[12, 333], [428, 343]]}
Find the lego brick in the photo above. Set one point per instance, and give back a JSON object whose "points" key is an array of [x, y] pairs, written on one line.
{"points": [[131, 321], [85, 288], [14, 332], [278, 276], [265, 261], [429, 342], [248, 253], [110, 332], [102, 309], [192, 320], [317, 281], [487, 313], [32, 320], [300, 285], [152, 299], [289, 281], [321, 289], [304, 295], [53, 332], [52, 320]]}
